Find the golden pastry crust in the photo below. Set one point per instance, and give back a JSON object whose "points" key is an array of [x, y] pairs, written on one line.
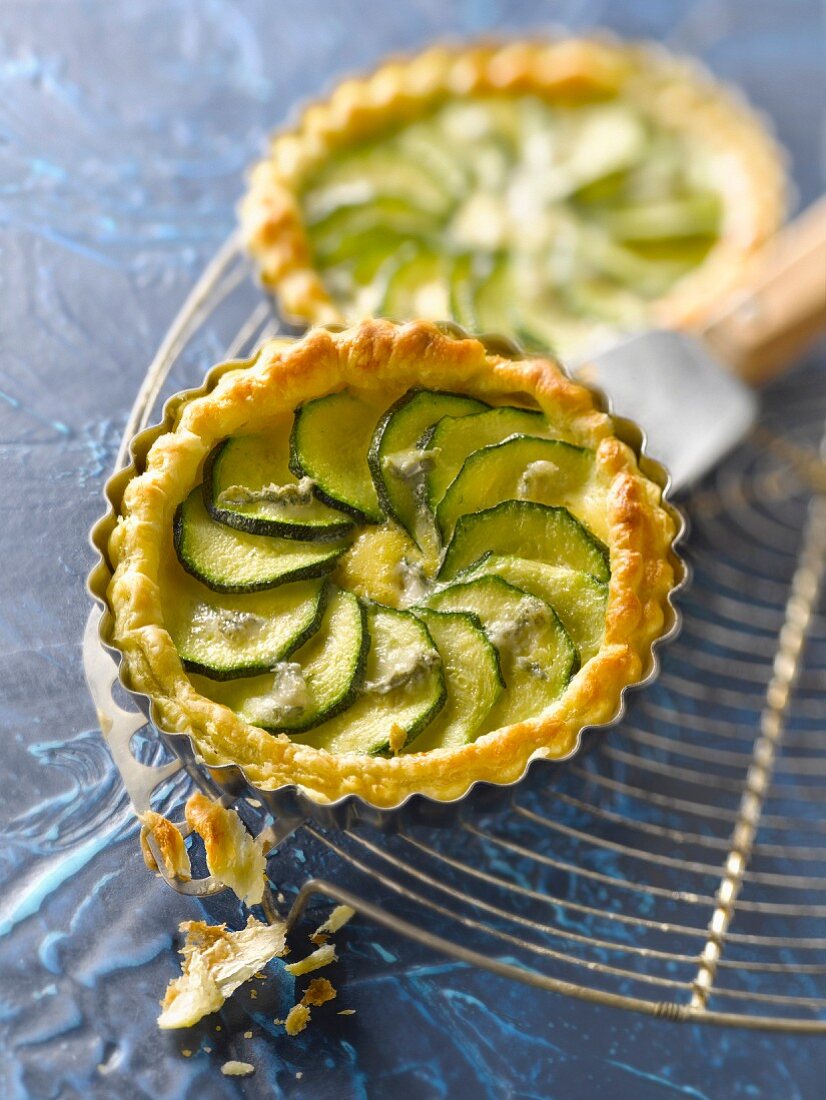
{"points": [[674, 92], [232, 854], [170, 843], [385, 358]]}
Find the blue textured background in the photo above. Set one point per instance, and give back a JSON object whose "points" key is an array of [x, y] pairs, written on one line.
{"points": [[124, 132]]}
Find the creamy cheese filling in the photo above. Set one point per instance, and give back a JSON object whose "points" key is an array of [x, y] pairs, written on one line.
{"points": [[297, 493]]}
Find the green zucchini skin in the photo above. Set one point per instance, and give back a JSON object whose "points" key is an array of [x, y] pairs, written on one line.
{"points": [[473, 678], [523, 528], [493, 474], [399, 429], [579, 599], [245, 696], [249, 660], [415, 264], [365, 726], [281, 560], [537, 654], [327, 528], [326, 465], [454, 439]]}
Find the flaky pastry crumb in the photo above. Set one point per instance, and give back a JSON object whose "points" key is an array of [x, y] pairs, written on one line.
{"points": [[215, 963], [233, 856], [170, 843], [323, 956], [318, 992], [297, 1019], [237, 1069]]}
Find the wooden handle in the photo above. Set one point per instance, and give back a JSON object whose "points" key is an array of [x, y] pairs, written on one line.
{"points": [[760, 331]]}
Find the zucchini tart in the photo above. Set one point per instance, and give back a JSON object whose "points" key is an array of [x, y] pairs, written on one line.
{"points": [[557, 191], [388, 559]]}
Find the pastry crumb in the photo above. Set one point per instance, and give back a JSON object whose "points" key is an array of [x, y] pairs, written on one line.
{"points": [[237, 1069], [232, 855], [186, 1053], [170, 843], [247, 1034], [299, 1075], [396, 739], [346, 1012], [337, 919], [323, 956], [297, 1019], [215, 963], [318, 992]]}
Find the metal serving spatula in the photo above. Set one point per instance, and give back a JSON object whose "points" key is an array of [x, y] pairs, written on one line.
{"points": [[691, 407]]}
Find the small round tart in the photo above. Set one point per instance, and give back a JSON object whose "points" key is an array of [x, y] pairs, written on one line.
{"points": [[557, 191], [389, 559]]}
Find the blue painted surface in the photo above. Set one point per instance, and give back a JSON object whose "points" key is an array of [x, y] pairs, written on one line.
{"points": [[124, 132]]}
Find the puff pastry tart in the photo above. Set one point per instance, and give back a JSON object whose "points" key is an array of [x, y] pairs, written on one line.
{"points": [[557, 191], [387, 559]]}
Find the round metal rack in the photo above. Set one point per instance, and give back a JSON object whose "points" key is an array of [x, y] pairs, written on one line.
{"points": [[677, 866]]}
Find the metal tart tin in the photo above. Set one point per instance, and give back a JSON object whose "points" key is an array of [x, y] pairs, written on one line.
{"points": [[290, 805]]}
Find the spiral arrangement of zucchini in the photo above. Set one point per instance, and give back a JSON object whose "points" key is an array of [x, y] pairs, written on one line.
{"points": [[514, 215], [390, 579]]}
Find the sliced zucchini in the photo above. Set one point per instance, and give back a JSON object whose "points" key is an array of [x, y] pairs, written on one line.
{"points": [[525, 529], [375, 173], [422, 143], [321, 680], [537, 657], [415, 285], [578, 598], [329, 444], [248, 484], [520, 468], [494, 298], [329, 237], [474, 679], [697, 215], [227, 560], [228, 636], [359, 258], [404, 689], [453, 439], [607, 138], [397, 464]]}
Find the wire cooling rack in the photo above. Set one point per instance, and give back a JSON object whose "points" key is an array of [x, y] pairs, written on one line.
{"points": [[678, 865]]}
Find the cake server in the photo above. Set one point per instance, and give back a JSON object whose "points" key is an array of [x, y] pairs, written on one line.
{"points": [[694, 394]]}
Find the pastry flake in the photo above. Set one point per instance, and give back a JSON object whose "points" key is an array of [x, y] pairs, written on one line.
{"points": [[215, 963], [233, 856]]}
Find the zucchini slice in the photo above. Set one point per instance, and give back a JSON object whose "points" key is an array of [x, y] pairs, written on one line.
{"points": [[334, 235], [227, 560], [321, 680], [522, 528], [228, 636], [397, 464], [537, 657], [374, 174], [404, 689], [520, 468], [453, 439], [474, 679], [248, 485], [697, 215], [329, 443], [578, 598], [416, 285]]}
